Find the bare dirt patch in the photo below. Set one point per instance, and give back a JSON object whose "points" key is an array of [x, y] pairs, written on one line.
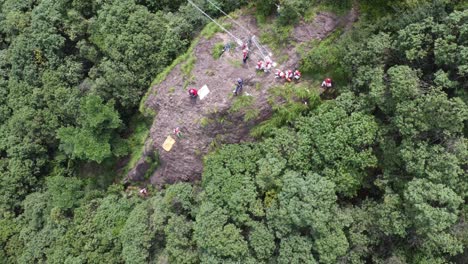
{"points": [[207, 123], [323, 24]]}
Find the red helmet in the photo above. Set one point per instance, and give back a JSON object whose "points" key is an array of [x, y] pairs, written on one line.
{"points": [[328, 80]]}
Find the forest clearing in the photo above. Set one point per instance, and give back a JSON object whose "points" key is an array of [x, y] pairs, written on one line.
{"points": [[222, 131], [213, 120]]}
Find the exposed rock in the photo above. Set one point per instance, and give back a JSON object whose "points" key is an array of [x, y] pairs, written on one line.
{"points": [[210, 122]]}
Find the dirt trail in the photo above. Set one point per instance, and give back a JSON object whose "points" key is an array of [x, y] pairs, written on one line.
{"points": [[174, 108]]}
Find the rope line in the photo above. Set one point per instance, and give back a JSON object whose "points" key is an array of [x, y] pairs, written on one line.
{"points": [[239, 41], [258, 47], [227, 31], [245, 29]]}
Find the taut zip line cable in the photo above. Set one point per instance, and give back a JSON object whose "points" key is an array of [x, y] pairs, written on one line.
{"points": [[213, 4], [245, 29], [238, 40]]}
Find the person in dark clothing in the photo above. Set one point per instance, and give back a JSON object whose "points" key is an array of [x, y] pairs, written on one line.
{"points": [[239, 85]]}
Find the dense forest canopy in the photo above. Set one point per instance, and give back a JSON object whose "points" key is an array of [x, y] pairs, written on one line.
{"points": [[377, 174]]}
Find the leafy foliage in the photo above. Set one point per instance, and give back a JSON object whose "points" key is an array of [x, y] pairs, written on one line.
{"points": [[91, 139], [377, 175]]}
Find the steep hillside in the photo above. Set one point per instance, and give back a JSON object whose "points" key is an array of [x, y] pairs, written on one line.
{"points": [[216, 119]]}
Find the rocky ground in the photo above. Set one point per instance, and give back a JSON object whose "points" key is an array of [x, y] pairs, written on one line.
{"points": [[206, 123]]}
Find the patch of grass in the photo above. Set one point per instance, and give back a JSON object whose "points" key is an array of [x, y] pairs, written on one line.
{"points": [[217, 50], [245, 104], [298, 100], [258, 86], [188, 66], [171, 90], [241, 102], [227, 26], [140, 125], [251, 114], [276, 37], [211, 29], [310, 14], [205, 121], [236, 13]]}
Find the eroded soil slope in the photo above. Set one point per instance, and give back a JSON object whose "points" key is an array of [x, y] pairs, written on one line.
{"points": [[205, 123]]}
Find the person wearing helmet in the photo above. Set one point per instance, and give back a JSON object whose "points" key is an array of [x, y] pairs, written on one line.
{"points": [[267, 66], [289, 75], [259, 66], [297, 75], [245, 53], [327, 83], [244, 45], [193, 93], [279, 74], [177, 132]]}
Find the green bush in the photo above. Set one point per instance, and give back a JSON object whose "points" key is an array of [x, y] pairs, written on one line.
{"points": [[217, 50], [297, 100]]}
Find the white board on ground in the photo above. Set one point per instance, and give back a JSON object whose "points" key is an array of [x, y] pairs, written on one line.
{"points": [[204, 91]]}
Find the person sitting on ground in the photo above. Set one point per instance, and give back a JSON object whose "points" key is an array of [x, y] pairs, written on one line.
{"points": [[327, 83], [289, 75], [297, 75], [259, 66], [268, 65], [279, 74], [239, 85], [226, 47], [143, 192], [177, 132], [193, 93]]}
